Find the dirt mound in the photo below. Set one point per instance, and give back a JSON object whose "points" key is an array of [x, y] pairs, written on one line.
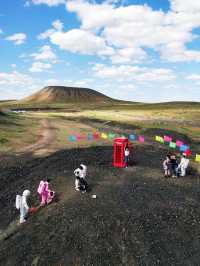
{"points": [[53, 94]]}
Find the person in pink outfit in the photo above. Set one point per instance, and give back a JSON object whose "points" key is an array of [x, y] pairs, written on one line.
{"points": [[46, 195]]}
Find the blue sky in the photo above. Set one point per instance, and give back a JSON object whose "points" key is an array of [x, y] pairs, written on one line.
{"points": [[139, 50]]}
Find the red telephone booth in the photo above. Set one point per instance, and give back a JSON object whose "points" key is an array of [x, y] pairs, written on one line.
{"points": [[119, 148]]}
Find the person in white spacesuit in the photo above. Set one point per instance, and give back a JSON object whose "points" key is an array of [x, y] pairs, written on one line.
{"points": [[183, 165], [22, 206]]}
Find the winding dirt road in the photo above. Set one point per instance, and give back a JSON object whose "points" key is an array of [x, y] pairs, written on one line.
{"points": [[46, 137]]}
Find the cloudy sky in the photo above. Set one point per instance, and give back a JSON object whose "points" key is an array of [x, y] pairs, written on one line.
{"points": [[140, 50]]}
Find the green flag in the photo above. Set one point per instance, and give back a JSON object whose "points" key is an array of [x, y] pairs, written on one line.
{"points": [[172, 145]]}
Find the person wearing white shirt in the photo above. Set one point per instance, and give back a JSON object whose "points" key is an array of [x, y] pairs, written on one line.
{"points": [[126, 155]]}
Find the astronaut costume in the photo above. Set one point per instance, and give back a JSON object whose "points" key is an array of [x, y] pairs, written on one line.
{"points": [[22, 206], [183, 165]]}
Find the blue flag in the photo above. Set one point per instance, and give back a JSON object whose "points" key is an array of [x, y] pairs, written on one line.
{"points": [[184, 148], [132, 137], [72, 138]]}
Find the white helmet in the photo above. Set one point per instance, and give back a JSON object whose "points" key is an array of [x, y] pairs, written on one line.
{"points": [[26, 193]]}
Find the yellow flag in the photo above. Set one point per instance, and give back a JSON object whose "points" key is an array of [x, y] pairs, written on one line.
{"points": [[197, 158], [104, 136], [157, 138]]}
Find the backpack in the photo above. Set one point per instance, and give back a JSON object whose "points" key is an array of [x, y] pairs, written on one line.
{"points": [[41, 187], [18, 201]]}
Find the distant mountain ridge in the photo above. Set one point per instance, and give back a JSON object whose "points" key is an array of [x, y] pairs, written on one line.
{"points": [[56, 94]]}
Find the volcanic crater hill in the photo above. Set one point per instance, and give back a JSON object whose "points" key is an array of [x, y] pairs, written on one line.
{"points": [[53, 94]]}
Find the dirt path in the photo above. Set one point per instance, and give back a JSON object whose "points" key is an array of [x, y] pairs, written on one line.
{"points": [[46, 136]]}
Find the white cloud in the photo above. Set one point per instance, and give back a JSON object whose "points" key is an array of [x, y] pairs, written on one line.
{"points": [[129, 55], [58, 25], [17, 38], [138, 26], [81, 41], [48, 2], [45, 53], [195, 78], [1, 31], [40, 67], [13, 65], [185, 6], [133, 73], [46, 34], [15, 79]]}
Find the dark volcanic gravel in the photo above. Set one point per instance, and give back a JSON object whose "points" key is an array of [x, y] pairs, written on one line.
{"points": [[138, 217]]}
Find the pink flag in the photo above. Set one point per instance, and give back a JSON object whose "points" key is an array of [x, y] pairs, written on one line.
{"points": [[141, 139], [179, 143], [78, 137], [167, 138]]}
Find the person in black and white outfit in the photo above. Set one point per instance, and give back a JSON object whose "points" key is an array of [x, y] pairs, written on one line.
{"points": [[80, 178]]}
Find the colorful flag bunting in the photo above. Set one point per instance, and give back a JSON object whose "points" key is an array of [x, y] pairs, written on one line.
{"points": [[90, 136], [167, 139], [184, 148], [159, 139], [197, 159], [188, 153], [78, 137], [172, 145], [179, 143], [111, 135], [141, 139], [72, 138], [96, 135], [104, 136], [132, 137]]}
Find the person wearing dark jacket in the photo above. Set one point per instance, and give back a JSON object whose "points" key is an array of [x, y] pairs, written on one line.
{"points": [[173, 165]]}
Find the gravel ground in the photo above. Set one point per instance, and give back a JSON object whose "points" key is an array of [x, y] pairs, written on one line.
{"points": [[138, 217]]}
